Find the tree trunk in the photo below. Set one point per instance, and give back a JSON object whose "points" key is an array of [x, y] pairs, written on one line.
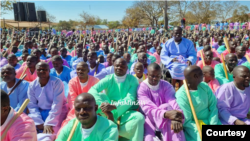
{"points": [[165, 15]]}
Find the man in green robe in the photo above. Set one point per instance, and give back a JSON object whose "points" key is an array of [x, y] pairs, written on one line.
{"points": [[231, 62], [90, 127], [204, 102], [120, 99], [142, 49], [247, 64]]}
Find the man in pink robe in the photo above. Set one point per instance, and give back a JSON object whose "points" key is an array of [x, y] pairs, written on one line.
{"points": [[157, 55], [208, 59], [232, 46], [30, 71], [23, 129], [208, 77], [77, 85], [207, 48], [157, 101]]}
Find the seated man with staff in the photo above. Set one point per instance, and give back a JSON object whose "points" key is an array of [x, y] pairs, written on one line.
{"points": [[47, 105], [233, 98], [158, 103], [230, 63], [77, 85], [204, 102], [90, 126], [23, 127], [177, 54], [29, 69], [119, 102], [19, 94]]}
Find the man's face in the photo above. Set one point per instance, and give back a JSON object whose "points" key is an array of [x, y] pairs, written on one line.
{"points": [[7, 75], [91, 58], [36, 53], [232, 61], [154, 77], [120, 50], [12, 61], [138, 69], [54, 52], [241, 51], [120, 68], [82, 71], [232, 45], [242, 77], [143, 58], [63, 52], [57, 64], [158, 50], [127, 58], [85, 111], [42, 71], [208, 56], [31, 62], [177, 33]]}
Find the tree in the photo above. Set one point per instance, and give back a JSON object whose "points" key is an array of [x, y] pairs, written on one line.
{"points": [[226, 9], [178, 9], [64, 25], [6, 5], [87, 19], [104, 22], [150, 10], [240, 14], [50, 18], [113, 24], [203, 11]]}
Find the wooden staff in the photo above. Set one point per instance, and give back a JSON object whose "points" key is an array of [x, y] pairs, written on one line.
{"points": [[51, 43], [224, 65], [211, 41], [243, 38], [73, 130], [19, 82], [22, 39], [226, 43], [23, 72], [248, 59], [20, 111], [10, 48], [202, 58], [192, 108]]}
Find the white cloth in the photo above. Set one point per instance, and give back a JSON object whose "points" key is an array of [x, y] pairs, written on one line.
{"points": [[87, 132], [84, 84], [154, 88], [10, 115], [120, 79]]}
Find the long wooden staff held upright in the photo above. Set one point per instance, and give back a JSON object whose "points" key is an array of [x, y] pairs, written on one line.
{"points": [[224, 66], [202, 58], [192, 108]]}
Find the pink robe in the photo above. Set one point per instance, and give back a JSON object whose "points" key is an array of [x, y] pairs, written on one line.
{"points": [[225, 53], [30, 77], [74, 90], [158, 58], [214, 85], [200, 64], [215, 53], [72, 53], [23, 129]]}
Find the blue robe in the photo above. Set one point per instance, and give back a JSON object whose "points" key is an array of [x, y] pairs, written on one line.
{"points": [[64, 76], [47, 105], [107, 71], [18, 96], [91, 72], [185, 49], [68, 59]]}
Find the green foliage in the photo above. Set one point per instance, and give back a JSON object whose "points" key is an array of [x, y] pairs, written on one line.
{"points": [[6, 5], [113, 24]]}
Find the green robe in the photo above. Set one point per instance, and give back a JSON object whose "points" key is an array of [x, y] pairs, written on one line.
{"points": [[104, 130], [221, 48], [247, 64], [131, 121], [220, 74], [205, 105], [150, 57]]}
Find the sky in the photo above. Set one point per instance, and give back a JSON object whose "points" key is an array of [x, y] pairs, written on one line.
{"points": [[65, 10]]}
